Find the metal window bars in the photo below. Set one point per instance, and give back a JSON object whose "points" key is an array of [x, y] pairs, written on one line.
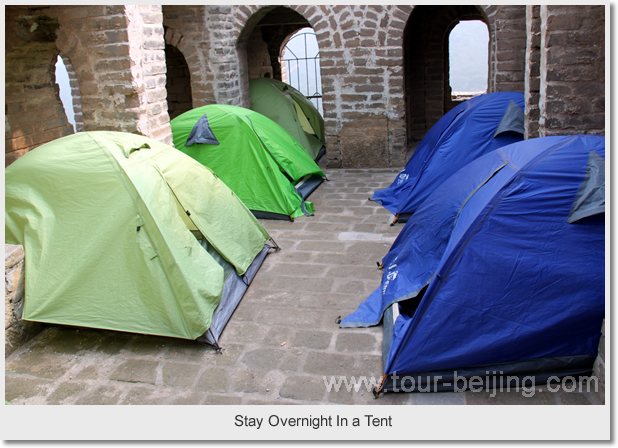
{"points": [[303, 70]]}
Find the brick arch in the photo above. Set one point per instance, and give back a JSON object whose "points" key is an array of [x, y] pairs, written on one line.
{"points": [[34, 114], [101, 43], [77, 47], [246, 20], [184, 29], [247, 17]]}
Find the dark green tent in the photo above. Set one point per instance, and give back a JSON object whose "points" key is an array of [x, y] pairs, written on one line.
{"points": [[268, 170], [291, 110]]}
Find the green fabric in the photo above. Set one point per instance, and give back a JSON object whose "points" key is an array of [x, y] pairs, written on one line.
{"points": [[253, 157], [76, 205], [281, 103]]}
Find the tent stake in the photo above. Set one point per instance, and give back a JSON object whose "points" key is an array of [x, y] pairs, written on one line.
{"points": [[378, 390]]}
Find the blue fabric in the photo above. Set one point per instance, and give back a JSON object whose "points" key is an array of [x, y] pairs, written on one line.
{"points": [[514, 281], [460, 136], [202, 133], [590, 199], [420, 245], [512, 121]]}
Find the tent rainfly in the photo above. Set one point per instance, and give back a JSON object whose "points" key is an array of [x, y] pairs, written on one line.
{"points": [[291, 110], [260, 162], [471, 129], [500, 272], [122, 232]]}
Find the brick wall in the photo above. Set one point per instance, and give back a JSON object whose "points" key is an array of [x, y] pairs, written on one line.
{"points": [[533, 70], [507, 49], [187, 30], [146, 47], [362, 67], [226, 61], [33, 111], [572, 87], [258, 59], [361, 60], [362, 82], [117, 56]]}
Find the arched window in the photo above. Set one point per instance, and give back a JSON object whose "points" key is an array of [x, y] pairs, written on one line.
{"points": [[468, 47], [300, 57]]}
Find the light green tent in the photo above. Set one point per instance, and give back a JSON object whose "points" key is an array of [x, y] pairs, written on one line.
{"points": [[291, 110], [123, 232], [254, 156]]}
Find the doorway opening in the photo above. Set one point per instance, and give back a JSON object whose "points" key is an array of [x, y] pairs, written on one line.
{"points": [[468, 49], [427, 57], [177, 83]]}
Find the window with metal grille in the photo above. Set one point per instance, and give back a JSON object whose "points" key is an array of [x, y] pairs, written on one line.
{"points": [[300, 58]]}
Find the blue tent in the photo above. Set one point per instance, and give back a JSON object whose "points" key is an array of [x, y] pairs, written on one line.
{"points": [[500, 270], [473, 128]]}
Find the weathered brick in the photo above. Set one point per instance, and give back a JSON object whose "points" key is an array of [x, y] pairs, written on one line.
{"points": [[350, 34]]}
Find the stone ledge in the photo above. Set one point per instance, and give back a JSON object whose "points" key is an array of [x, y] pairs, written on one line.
{"points": [[13, 254], [16, 330]]}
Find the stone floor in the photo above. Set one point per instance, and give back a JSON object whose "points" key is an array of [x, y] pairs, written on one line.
{"points": [[280, 343]]}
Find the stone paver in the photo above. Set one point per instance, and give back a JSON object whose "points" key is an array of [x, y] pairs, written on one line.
{"points": [[282, 345]]}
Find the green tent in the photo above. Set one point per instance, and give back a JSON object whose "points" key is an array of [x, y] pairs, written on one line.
{"points": [[254, 156], [123, 232], [291, 110]]}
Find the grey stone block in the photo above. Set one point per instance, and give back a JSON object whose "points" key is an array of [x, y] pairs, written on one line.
{"points": [[185, 350], [213, 379], [66, 393], [147, 345], [263, 359], [102, 395], [145, 396], [136, 371], [303, 388], [355, 342], [179, 374], [70, 341], [87, 373], [329, 364], [114, 342], [226, 357], [243, 380], [16, 387], [41, 363], [317, 340]]}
